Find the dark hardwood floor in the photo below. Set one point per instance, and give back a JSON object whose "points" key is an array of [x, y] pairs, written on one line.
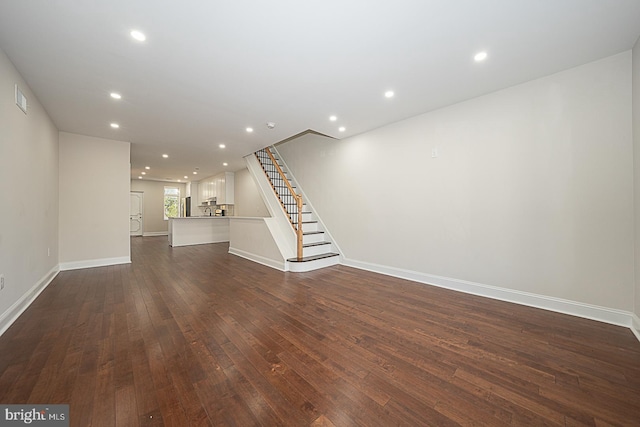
{"points": [[195, 336]]}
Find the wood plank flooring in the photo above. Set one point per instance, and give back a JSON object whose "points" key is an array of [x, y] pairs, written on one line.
{"points": [[195, 336]]}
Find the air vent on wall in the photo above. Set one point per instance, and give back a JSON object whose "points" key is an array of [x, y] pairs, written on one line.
{"points": [[21, 100]]}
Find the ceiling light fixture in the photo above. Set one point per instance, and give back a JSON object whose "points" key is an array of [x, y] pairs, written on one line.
{"points": [[115, 125], [480, 56], [333, 118], [342, 128], [186, 177], [222, 146], [225, 164], [389, 94], [195, 173], [143, 173], [116, 95], [166, 156], [147, 167], [138, 35], [139, 177], [249, 130]]}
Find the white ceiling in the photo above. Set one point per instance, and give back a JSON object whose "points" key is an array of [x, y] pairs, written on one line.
{"points": [[209, 69]]}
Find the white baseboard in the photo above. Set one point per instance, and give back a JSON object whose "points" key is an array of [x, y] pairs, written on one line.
{"points": [[155, 233], [11, 315], [588, 311], [635, 325], [102, 262], [278, 265]]}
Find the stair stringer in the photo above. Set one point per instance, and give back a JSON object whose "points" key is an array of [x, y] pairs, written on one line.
{"points": [[283, 234], [334, 245]]}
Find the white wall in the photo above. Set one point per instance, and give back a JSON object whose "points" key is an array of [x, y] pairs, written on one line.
{"points": [[153, 221], [94, 201], [29, 188], [636, 149], [532, 189], [248, 201], [251, 238]]}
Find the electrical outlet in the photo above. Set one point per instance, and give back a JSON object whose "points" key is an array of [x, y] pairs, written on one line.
{"points": [[1, 282]]}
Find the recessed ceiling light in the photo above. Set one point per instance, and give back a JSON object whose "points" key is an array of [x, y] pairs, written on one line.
{"points": [[480, 56], [249, 130], [179, 181], [143, 173], [115, 125], [195, 173], [116, 95], [166, 156], [222, 146], [138, 35], [139, 177], [147, 167], [342, 128], [186, 177], [333, 118], [389, 94], [225, 164]]}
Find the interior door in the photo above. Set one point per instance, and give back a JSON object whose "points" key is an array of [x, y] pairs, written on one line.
{"points": [[135, 213]]}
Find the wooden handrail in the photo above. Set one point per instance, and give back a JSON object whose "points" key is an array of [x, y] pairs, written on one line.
{"points": [[298, 198]]}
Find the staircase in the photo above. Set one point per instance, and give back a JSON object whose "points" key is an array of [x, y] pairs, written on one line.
{"points": [[317, 251]]}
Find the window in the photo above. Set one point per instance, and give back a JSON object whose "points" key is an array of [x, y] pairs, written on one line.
{"points": [[171, 202]]}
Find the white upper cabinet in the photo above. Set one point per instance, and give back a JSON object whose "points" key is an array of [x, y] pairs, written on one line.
{"points": [[192, 191], [225, 188], [220, 186]]}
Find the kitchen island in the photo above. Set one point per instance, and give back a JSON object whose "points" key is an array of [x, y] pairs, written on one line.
{"points": [[198, 230]]}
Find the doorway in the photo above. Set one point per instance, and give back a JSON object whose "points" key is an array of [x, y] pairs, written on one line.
{"points": [[135, 213]]}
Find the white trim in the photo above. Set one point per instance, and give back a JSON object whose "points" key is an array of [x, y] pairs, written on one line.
{"points": [[574, 308], [90, 263], [155, 233], [635, 325], [278, 265], [303, 267], [11, 315], [180, 245]]}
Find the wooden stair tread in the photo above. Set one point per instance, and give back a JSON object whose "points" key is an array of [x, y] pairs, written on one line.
{"points": [[309, 245], [314, 257]]}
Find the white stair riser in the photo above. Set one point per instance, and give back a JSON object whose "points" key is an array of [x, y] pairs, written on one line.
{"points": [[306, 216], [311, 226], [316, 250], [313, 238]]}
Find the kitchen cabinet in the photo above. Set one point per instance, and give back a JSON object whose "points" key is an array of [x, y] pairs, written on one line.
{"points": [[220, 186], [225, 188], [192, 191], [206, 190]]}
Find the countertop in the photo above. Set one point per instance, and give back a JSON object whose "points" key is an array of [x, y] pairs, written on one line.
{"points": [[218, 217], [200, 217]]}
